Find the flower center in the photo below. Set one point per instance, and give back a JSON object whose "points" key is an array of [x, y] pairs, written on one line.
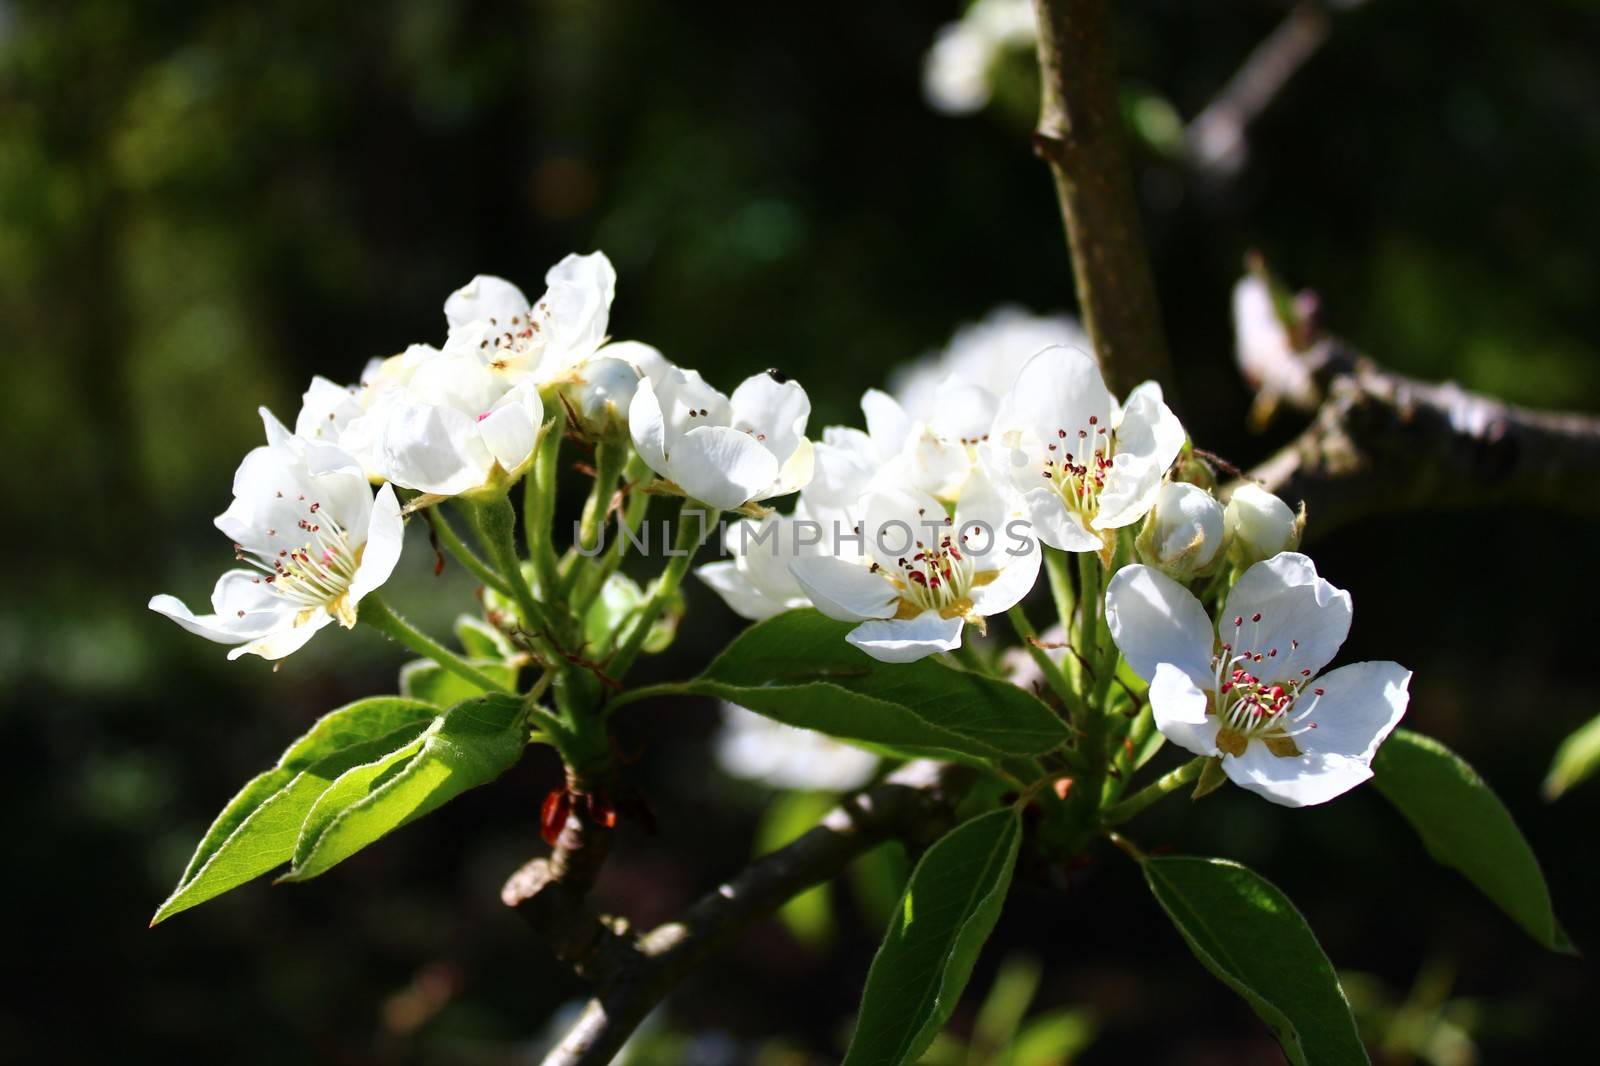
{"points": [[1077, 461], [934, 577], [1257, 693], [315, 573], [515, 345]]}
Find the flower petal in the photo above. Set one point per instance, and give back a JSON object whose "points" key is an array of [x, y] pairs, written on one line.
{"points": [[887, 422], [1155, 620], [844, 591], [287, 639], [647, 427], [1179, 708], [511, 429], [1302, 617], [773, 412], [243, 605], [1057, 526], [720, 466], [482, 298], [907, 640], [1359, 707], [738, 592], [1294, 780], [386, 535], [1060, 389]]}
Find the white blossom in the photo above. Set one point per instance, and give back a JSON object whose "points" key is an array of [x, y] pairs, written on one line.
{"points": [[755, 748], [756, 583], [1084, 464], [723, 452], [1264, 349], [1251, 689], [987, 354], [924, 575], [316, 541], [1259, 525], [1184, 531]]}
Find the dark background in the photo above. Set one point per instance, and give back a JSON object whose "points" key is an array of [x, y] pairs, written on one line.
{"points": [[203, 204]]}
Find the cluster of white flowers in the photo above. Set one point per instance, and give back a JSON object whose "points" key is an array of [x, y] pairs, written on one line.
{"points": [[928, 521], [463, 420]]}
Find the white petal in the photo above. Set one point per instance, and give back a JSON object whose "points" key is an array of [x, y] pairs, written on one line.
{"points": [[844, 591], [647, 427], [1060, 389], [796, 472], [485, 297], [511, 430], [1302, 617], [1294, 780], [433, 449], [742, 597], [1360, 706], [1155, 620], [278, 434], [243, 605], [645, 358], [386, 534], [577, 305], [887, 422], [895, 520], [1016, 579], [907, 640], [774, 413], [964, 412], [720, 466], [287, 639], [1179, 708], [1057, 526]]}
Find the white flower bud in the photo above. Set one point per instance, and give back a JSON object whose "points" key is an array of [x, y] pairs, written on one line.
{"points": [[1259, 525], [1184, 531]]}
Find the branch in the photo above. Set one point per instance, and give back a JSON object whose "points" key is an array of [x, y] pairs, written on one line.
{"points": [[1214, 142], [915, 804], [1381, 441], [1080, 136]]}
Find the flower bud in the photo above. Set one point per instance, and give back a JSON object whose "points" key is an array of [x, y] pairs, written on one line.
{"points": [[1184, 531], [599, 396], [1260, 525]]}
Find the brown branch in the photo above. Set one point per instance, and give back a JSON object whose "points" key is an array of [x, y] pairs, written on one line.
{"points": [[1214, 143], [1379, 441], [1080, 135], [915, 804]]}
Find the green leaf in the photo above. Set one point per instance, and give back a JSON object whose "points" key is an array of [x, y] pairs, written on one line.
{"points": [[796, 668], [426, 680], [1247, 933], [480, 640], [948, 909], [471, 744], [1053, 1038], [1465, 826], [256, 831], [1576, 760]]}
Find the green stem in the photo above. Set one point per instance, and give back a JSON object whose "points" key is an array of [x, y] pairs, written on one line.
{"points": [[609, 460], [1162, 786], [1053, 675], [694, 525], [1061, 591], [380, 616], [496, 522], [539, 503], [592, 579], [452, 542], [646, 692]]}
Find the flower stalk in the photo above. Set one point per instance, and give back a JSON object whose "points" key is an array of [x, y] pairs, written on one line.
{"points": [[1164, 785], [380, 616]]}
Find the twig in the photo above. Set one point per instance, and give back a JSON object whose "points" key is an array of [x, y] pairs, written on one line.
{"points": [[915, 805], [1381, 441], [1080, 136], [1214, 142]]}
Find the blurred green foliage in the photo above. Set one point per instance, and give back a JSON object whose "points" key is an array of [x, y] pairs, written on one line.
{"points": [[202, 204]]}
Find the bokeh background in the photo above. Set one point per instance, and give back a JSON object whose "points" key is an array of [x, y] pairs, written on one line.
{"points": [[202, 204]]}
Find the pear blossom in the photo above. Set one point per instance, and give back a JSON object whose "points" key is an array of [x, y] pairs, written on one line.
{"points": [[756, 583], [546, 339], [1184, 531], [1264, 349], [755, 748], [725, 452], [935, 456], [925, 574], [1250, 689], [316, 541], [1084, 464], [987, 354], [456, 427], [1259, 525]]}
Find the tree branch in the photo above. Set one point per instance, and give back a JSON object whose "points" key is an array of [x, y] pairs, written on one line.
{"points": [[1080, 136], [915, 804], [1379, 441], [1214, 142]]}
